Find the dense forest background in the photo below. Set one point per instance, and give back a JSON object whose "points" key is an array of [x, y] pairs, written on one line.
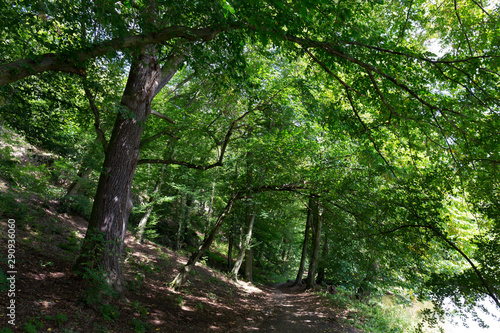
{"points": [[353, 144]]}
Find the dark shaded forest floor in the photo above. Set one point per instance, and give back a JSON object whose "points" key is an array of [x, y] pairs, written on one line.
{"points": [[51, 298]]}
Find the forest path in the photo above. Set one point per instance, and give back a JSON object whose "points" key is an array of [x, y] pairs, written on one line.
{"points": [[292, 310]]}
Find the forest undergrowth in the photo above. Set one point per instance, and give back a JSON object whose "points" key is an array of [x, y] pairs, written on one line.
{"points": [[50, 297]]}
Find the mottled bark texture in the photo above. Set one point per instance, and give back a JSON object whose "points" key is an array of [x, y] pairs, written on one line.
{"points": [[103, 244]]}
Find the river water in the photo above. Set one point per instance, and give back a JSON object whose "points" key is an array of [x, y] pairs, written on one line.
{"points": [[490, 320]]}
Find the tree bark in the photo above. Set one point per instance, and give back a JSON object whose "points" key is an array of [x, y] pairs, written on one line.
{"points": [[249, 264], [103, 244], [245, 249], [60, 62], [322, 262], [88, 165], [181, 277], [300, 274], [180, 224], [77, 183], [230, 247], [182, 227], [316, 228], [141, 227]]}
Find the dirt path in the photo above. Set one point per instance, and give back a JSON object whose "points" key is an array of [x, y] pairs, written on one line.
{"points": [[292, 310]]}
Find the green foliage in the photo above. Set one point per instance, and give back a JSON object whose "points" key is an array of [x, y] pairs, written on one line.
{"points": [[214, 259], [7, 160], [140, 326], [4, 284], [45, 264], [347, 100], [76, 204], [72, 244], [12, 207], [59, 319], [179, 300], [33, 325], [382, 314], [100, 295], [140, 309], [199, 306], [149, 267], [137, 282]]}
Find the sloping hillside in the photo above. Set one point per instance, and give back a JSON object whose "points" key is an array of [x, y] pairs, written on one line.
{"points": [[49, 297]]}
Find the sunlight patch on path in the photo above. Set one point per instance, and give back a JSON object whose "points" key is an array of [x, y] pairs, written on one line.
{"points": [[249, 288]]}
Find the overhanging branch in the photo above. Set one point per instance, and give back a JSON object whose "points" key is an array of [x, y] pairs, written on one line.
{"points": [[369, 133], [71, 61], [452, 245]]}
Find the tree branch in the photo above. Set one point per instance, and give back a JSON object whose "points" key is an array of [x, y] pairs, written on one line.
{"points": [[181, 163], [401, 35], [452, 245], [223, 145], [326, 69], [156, 136], [97, 122], [162, 116], [169, 70], [71, 61], [369, 133], [462, 27]]}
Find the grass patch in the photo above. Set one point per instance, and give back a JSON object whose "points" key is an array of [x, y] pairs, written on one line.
{"points": [[383, 314]]}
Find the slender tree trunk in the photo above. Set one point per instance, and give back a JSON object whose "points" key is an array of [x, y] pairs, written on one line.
{"points": [[300, 274], [284, 252], [230, 246], [180, 223], [249, 264], [187, 212], [86, 168], [249, 223], [245, 254], [245, 244], [141, 227], [181, 277], [316, 228], [77, 183], [322, 262], [103, 244], [364, 290], [183, 223]]}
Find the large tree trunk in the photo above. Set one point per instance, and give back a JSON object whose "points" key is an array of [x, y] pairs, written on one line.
{"points": [[103, 244], [300, 274], [316, 228], [181, 277]]}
